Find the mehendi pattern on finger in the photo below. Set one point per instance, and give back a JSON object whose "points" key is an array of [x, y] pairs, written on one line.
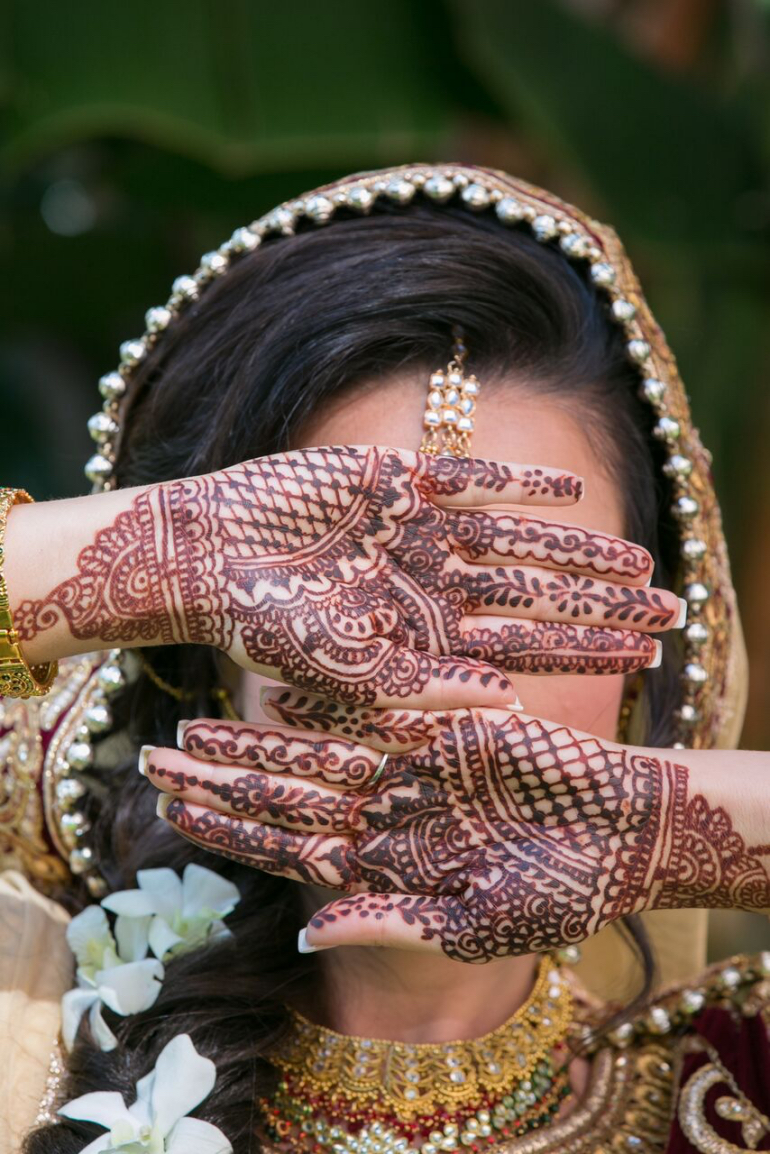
{"points": [[571, 595], [520, 537], [451, 475], [388, 727], [265, 797], [542, 647], [309, 858], [333, 762]]}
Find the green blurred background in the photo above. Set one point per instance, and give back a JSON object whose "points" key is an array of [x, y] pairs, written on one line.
{"points": [[137, 135]]}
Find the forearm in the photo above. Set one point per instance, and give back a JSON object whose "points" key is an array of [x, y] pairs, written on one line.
{"points": [[91, 572], [714, 839]]}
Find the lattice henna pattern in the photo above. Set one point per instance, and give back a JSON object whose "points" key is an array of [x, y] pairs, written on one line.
{"points": [[340, 570], [494, 835]]}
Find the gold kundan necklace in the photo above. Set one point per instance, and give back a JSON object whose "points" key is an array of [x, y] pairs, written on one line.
{"points": [[366, 1096]]}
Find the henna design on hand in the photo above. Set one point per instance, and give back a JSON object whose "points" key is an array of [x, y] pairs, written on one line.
{"points": [[541, 647], [516, 537], [522, 835], [707, 862], [342, 570], [490, 833], [567, 596]]}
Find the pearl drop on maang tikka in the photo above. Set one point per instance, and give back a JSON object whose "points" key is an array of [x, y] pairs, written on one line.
{"points": [[448, 418]]}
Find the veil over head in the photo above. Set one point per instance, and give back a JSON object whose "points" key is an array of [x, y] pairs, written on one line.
{"points": [[47, 743]]}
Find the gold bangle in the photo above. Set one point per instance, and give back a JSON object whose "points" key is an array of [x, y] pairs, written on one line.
{"points": [[17, 678]]}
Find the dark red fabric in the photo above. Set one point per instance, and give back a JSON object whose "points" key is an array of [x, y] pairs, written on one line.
{"points": [[744, 1050]]}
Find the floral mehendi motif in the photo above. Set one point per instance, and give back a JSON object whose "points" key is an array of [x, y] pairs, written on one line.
{"points": [[539, 647], [347, 571], [489, 834]]}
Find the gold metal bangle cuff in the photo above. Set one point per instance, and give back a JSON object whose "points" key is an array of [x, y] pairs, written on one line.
{"points": [[17, 677]]}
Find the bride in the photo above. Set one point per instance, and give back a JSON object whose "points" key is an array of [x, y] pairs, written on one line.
{"points": [[496, 736]]}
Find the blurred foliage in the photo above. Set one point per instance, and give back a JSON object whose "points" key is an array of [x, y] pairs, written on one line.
{"points": [[137, 135]]}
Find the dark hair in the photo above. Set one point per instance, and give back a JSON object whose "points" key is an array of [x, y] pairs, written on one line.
{"points": [[292, 325]]}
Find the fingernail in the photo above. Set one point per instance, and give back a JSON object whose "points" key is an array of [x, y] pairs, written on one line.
{"points": [[515, 704], [144, 753], [658, 655], [648, 582], [181, 727], [164, 801], [303, 945], [682, 619]]}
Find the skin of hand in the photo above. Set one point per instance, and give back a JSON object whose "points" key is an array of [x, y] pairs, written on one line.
{"points": [[489, 833], [394, 993], [371, 575], [417, 996]]}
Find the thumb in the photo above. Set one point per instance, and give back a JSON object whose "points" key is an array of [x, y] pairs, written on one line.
{"points": [[405, 922]]}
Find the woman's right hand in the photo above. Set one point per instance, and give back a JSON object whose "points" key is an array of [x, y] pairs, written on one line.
{"points": [[369, 575], [485, 833]]}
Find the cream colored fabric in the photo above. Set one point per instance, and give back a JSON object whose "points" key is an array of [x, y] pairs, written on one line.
{"points": [[608, 967], [36, 968]]}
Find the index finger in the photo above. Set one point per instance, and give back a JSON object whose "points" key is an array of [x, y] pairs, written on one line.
{"points": [[462, 482], [274, 748]]}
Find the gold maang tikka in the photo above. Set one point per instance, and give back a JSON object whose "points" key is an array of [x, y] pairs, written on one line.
{"points": [[451, 404]]}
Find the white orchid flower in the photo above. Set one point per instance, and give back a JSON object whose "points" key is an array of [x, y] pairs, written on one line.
{"points": [[157, 1122], [90, 938], [171, 915], [116, 975], [127, 988]]}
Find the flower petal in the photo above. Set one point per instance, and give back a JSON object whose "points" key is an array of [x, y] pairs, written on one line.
{"points": [[88, 928], [164, 887], [220, 932], [205, 890], [74, 1005], [130, 988], [104, 1107], [193, 1136], [142, 1106], [183, 1078], [162, 938], [130, 903], [131, 936], [100, 1031]]}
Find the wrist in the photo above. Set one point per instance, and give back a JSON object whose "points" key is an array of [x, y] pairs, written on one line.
{"points": [[77, 577], [713, 843]]}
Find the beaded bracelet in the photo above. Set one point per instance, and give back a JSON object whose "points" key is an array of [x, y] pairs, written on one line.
{"points": [[17, 678]]}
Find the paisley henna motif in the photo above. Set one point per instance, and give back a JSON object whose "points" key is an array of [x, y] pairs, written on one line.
{"points": [[346, 571], [490, 833]]}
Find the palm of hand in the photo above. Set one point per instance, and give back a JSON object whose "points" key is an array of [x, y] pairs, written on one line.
{"points": [[509, 834], [489, 833], [338, 568], [369, 575]]}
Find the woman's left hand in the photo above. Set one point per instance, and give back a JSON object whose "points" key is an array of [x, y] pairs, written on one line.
{"points": [[489, 832]]}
